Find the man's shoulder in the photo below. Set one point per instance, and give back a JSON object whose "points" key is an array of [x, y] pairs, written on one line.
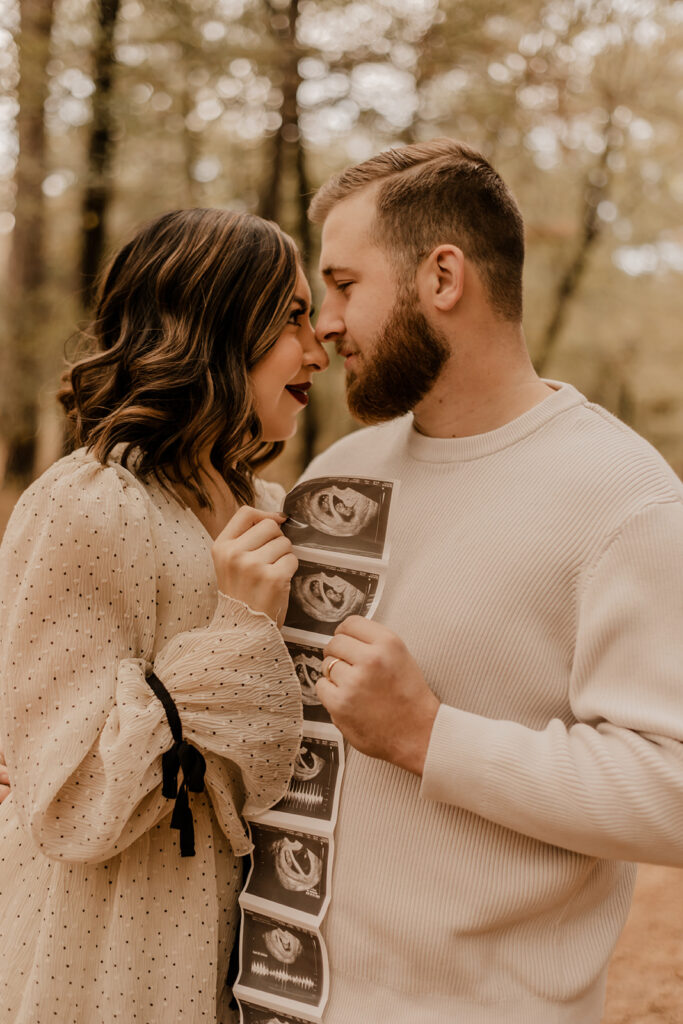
{"points": [[607, 455]]}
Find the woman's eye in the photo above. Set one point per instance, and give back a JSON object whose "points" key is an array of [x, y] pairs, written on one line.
{"points": [[295, 317]]}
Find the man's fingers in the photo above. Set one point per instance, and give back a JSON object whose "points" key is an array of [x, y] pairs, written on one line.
{"points": [[328, 694], [363, 629], [348, 648], [4, 776], [4, 792]]}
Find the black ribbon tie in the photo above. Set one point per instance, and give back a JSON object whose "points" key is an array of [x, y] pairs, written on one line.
{"points": [[181, 755]]}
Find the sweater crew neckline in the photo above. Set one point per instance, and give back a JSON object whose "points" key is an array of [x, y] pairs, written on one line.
{"points": [[476, 446]]}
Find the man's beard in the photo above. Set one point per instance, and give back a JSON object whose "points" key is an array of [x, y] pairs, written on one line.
{"points": [[401, 367]]}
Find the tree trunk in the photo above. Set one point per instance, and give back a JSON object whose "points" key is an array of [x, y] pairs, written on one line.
{"points": [[287, 139], [288, 158], [21, 376], [569, 283], [97, 195]]}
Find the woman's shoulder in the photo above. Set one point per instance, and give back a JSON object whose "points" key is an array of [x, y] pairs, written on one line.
{"points": [[78, 491], [268, 495]]}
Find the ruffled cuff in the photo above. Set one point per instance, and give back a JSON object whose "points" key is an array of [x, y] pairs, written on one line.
{"points": [[235, 614]]}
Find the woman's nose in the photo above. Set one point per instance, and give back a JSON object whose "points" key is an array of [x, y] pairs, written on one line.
{"points": [[315, 355]]}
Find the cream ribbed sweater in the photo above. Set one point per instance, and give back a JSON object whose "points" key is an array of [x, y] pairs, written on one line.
{"points": [[101, 920], [536, 575]]}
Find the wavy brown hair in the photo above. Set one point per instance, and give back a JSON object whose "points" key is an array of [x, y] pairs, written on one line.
{"points": [[184, 312]]}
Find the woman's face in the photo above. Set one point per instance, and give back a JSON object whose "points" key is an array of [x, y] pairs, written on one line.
{"points": [[281, 379]]}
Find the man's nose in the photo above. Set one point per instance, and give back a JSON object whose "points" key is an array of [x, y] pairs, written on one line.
{"points": [[329, 325]]}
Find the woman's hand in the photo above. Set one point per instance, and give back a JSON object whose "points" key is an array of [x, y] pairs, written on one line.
{"points": [[4, 778], [254, 561]]}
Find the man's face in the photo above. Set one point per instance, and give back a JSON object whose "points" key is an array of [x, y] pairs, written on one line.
{"points": [[392, 355]]}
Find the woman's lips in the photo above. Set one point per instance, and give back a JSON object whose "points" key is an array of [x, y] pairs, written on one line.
{"points": [[299, 391]]}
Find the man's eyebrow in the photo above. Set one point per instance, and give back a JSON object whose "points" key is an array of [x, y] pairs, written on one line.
{"points": [[331, 269]]}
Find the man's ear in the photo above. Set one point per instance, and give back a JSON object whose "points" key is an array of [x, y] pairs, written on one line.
{"points": [[441, 277]]}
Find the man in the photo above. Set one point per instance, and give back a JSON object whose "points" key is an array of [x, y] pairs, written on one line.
{"points": [[514, 712]]}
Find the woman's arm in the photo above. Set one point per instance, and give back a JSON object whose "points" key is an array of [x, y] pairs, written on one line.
{"points": [[84, 733]]}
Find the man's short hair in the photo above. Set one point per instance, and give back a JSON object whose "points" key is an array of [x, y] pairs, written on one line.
{"points": [[435, 193]]}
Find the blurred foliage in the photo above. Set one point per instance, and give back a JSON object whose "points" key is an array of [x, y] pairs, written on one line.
{"points": [[249, 103]]}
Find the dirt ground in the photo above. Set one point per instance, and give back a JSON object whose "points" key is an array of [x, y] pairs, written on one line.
{"points": [[645, 984], [646, 974]]}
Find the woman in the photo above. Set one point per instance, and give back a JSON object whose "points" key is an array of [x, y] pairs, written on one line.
{"points": [[141, 582]]}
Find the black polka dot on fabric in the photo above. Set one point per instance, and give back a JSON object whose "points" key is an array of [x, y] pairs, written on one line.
{"points": [[102, 578]]}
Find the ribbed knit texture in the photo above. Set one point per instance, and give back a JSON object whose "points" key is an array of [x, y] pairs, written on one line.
{"points": [[101, 579], [536, 575]]}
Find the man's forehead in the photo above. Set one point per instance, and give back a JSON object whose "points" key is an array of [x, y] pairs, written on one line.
{"points": [[346, 231]]}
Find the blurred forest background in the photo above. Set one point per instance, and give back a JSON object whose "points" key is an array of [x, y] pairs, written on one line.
{"points": [[112, 111]]}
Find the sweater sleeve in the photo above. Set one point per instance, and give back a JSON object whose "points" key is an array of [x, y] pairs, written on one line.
{"points": [[82, 730], [610, 785]]}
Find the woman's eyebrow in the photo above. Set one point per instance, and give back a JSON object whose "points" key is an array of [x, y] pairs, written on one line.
{"points": [[303, 305]]}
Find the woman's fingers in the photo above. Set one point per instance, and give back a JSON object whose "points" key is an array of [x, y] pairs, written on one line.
{"points": [[245, 519], [4, 779], [254, 561], [287, 565]]}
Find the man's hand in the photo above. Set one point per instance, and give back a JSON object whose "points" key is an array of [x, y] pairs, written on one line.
{"points": [[377, 695], [4, 778]]}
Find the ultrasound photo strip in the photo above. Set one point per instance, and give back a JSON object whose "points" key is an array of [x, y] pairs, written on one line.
{"points": [[282, 966], [250, 1014], [290, 869], [283, 958], [308, 664], [312, 800], [345, 515], [323, 595]]}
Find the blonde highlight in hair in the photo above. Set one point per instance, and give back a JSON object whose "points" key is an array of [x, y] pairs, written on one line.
{"points": [[435, 193], [184, 312]]}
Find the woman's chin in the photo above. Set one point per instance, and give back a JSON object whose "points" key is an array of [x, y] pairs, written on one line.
{"points": [[281, 434]]}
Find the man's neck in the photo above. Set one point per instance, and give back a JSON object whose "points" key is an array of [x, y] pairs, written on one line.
{"points": [[476, 402]]}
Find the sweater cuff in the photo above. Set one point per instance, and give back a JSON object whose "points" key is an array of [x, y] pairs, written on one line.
{"points": [[457, 763], [235, 614]]}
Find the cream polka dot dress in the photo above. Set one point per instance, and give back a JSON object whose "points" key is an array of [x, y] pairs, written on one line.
{"points": [[102, 579]]}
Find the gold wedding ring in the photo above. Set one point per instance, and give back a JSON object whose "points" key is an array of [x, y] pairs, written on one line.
{"points": [[328, 672]]}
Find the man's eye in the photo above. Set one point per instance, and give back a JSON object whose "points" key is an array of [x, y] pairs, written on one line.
{"points": [[341, 287]]}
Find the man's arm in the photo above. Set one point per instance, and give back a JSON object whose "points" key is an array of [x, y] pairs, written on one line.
{"points": [[609, 785]]}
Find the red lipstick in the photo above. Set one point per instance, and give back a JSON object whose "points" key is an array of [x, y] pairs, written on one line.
{"points": [[298, 391]]}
